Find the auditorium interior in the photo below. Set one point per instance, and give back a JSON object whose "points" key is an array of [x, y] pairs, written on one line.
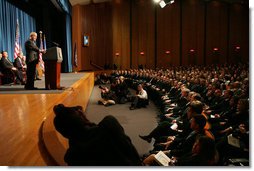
{"points": [[125, 83]]}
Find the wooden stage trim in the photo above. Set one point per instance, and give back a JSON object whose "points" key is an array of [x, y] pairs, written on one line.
{"points": [[79, 94]]}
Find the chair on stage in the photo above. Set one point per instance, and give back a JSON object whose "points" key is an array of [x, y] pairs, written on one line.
{"points": [[7, 77]]}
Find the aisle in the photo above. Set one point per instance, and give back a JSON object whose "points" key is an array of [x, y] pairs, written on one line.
{"points": [[135, 122]]}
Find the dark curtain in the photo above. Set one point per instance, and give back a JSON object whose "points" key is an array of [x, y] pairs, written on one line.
{"points": [[8, 19], [66, 7], [69, 42]]}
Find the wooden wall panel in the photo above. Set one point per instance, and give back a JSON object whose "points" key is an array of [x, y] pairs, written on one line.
{"points": [[121, 33], [168, 35], [216, 32], [143, 33], [193, 32], [239, 33], [129, 27], [76, 34], [97, 23]]}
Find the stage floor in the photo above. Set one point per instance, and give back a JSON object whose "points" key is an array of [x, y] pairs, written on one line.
{"points": [[67, 79]]}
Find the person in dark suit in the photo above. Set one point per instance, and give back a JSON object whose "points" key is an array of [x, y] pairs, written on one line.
{"points": [[164, 128], [7, 66], [0, 65], [203, 153], [1, 74], [19, 62], [32, 58]]}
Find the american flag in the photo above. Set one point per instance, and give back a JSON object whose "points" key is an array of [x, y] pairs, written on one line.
{"points": [[17, 45], [40, 54], [44, 42], [75, 55]]}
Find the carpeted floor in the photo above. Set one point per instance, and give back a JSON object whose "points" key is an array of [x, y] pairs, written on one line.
{"points": [[67, 79], [135, 122]]}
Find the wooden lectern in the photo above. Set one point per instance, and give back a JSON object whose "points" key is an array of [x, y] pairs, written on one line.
{"points": [[52, 64]]}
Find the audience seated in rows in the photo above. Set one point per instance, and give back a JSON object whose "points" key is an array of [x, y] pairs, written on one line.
{"points": [[203, 117], [221, 94], [203, 153]]}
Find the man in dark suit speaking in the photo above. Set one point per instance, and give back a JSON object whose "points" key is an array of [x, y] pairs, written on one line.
{"points": [[32, 58]]}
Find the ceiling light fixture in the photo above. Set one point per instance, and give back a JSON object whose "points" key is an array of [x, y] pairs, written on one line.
{"points": [[156, 1], [162, 4], [172, 1]]}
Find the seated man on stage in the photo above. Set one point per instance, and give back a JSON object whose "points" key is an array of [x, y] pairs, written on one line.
{"points": [[7, 66], [140, 99], [1, 74], [19, 62]]}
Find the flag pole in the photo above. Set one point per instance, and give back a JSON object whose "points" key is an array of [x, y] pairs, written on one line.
{"points": [[41, 62], [17, 43], [40, 32], [75, 60], [44, 42]]}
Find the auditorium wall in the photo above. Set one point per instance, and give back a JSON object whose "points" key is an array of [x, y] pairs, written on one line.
{"points": [[168, 35], [94, 20], [216, 32], [193, 32], [143, 33], [238, 33], [133, 32], [121, 33]]}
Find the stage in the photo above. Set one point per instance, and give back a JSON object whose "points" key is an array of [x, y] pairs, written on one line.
{"points": [[22, 114], [67, 79]]}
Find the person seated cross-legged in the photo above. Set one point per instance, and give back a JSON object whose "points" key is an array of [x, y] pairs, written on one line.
{"points": [[140, 99], [108, 97]]}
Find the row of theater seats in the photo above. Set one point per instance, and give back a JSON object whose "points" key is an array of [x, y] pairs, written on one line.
{"points": [[219, 93]]}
